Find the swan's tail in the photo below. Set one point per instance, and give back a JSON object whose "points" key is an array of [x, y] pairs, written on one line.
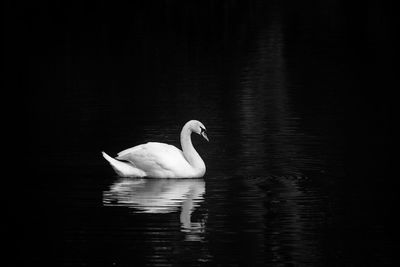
{"points": [[123, 168]]}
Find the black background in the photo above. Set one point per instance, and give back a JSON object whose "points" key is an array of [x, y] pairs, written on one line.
{"points": [[60, 53]]}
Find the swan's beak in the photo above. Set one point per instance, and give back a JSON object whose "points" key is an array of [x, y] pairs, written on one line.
{"points": [[205, 136]]}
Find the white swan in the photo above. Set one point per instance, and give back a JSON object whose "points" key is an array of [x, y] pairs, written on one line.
{"points": [[159, 160]]}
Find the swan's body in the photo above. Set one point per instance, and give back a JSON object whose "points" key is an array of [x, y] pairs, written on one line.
{"points": [[159, 160]]}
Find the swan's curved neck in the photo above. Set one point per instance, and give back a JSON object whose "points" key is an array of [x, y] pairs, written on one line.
{"points": [[189, 152]]}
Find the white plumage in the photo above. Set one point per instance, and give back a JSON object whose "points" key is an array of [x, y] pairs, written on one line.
{"points": [[159, 160]]}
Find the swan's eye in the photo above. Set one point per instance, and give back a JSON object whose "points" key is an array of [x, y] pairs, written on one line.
{"points": [[202, 130]]}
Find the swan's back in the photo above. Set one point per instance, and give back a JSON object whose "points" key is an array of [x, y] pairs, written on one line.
{"points": [[157, 160]]}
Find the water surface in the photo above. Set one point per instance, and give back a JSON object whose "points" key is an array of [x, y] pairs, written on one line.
{"points": [[279, 87]]}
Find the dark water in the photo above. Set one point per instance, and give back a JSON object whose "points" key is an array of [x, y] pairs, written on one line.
{"points": [[294, 98]]}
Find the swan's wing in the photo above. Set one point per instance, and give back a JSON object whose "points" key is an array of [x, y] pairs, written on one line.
{"points": [[154, 158], [126, 152]]}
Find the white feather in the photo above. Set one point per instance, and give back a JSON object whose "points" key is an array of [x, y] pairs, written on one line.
{"points": [[159, 160]]}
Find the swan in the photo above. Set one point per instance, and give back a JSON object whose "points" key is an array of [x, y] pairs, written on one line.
{"points": [[159, 160]]}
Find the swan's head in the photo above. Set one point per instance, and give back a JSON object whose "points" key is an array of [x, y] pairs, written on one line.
{"points": [[198, 128]]}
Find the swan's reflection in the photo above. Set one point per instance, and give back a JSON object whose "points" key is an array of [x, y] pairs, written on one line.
{"points": [[160, 196]]}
